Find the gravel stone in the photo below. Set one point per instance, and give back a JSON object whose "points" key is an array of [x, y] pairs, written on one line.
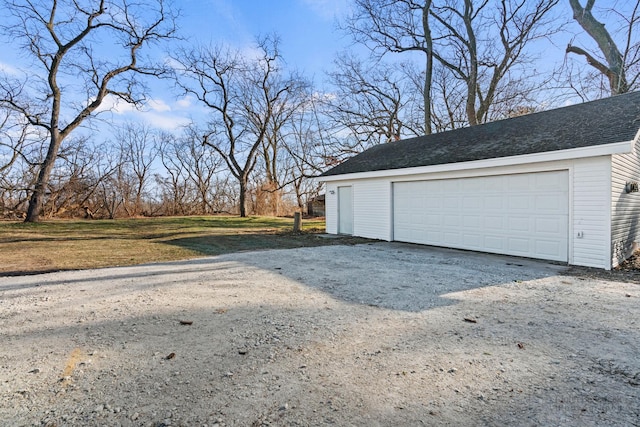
{"points": [[369, 334]]}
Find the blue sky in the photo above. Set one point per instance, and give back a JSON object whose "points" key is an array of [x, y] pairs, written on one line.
{"points": [[309, 42], [307, 29]]}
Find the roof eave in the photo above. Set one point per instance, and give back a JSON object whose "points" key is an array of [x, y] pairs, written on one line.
{"points": [[547, 156]]}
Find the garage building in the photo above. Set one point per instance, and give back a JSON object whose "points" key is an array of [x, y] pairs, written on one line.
{"points": [[558, 185]]}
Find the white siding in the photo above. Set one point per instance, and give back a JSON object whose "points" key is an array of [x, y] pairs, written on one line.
{"points": [[590, 198], [331, 208], [625, 207], [591, 214], [372, 209]]}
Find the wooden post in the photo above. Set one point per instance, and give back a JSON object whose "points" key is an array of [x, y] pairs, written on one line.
{"points": [[296, 222]]}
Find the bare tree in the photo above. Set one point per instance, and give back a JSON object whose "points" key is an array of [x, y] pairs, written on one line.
{"points": [[193, 171], [20, 151], [139, 146], [15, 175], [617, 60], [67, 39], [174, 185], [243, 95], [397, 26], [305, 158], [275, 165], [116, 187], [374, 101], [13, 136], [480, 43], [74, 179], [483, 43]]}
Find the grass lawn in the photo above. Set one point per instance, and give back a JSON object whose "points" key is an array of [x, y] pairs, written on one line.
{"points": [[80, 244]]}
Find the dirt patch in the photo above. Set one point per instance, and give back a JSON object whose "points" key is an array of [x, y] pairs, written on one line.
{"points": [[373, 334], [628, 271]]}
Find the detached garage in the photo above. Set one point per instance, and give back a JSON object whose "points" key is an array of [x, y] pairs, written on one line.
{"points": [[558, 185]]}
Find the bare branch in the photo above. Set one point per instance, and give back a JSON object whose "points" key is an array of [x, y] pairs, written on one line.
{"points": [[60, 34], [614, 69]]}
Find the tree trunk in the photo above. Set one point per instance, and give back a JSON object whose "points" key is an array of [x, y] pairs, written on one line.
{"points": [[243, 196], [614, 70], [428, 75], [472, 82], [37, 197]]}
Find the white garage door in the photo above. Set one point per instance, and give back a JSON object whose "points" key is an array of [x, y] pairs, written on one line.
{"points": [[524, 214]]}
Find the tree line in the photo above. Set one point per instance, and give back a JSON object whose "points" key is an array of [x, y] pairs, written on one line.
{"points": [[264, 129]]}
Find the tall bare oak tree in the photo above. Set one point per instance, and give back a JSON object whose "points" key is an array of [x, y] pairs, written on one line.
{"points": [[399, 27], [84, 51], [482, 44], [246, 97]]}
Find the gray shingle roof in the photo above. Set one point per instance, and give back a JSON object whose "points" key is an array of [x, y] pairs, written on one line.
{"points": [[605, 121]]}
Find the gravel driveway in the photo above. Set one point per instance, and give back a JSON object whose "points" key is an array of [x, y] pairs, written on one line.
{"points": [[371, 334]]}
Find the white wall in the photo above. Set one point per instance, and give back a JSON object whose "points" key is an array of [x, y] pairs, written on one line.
{"points": [[625, 207], [372, 208], [590, 197], [591, 214]]}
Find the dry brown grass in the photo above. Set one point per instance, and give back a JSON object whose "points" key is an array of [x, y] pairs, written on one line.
{"points": [[69, 245]]}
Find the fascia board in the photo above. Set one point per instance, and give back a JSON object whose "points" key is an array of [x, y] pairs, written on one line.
{"points": [[547, 156]]}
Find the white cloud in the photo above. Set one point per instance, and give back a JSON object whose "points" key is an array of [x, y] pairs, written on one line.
{"points": [[173, 64], [155, 112], [185, 102], [158, 105], [167, 122], [158, 114], [324, 96], [115, 105], [118, 106], [9, 69], [251, 52]]}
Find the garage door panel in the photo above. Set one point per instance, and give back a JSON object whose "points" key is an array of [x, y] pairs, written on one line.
{"points": [[447, 237], [518, 224], [402, 235], [450, 203], [418, 219], [493, 243], [518, 246], [520, 202], [432, 203], [471, 202], [552, 203], [472, 222], [401, 218], [494, 202], [494, 223], [471, 186], [552, 225], [549, 248], [523, 214], [433, 236], [473, 241], [451, 221], [518, 182], [550, 182]]}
